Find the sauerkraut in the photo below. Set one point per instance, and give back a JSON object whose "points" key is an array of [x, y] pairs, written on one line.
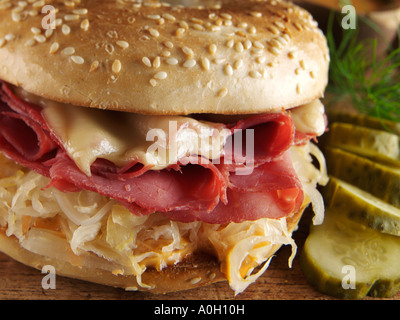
{"points": [[87, 229]]}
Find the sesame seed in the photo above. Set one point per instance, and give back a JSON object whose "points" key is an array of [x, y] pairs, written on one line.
{"points": [[9, 36], [30, 43], [255, 74], [33, 13], [69, 3], [154, 32], [239, 47], [198, 27], [275, 44], [258, 45], [279, 24], [168, 44], [302, 64], [154, 16], [172, 61], [228, 69], [80, 11], [5, 5], [77, 59], [297, 26], [226, 16], [252, 30], [54, 47], [261, 59], [123, 44], [85, 25], [59, 22], [230, 43], [312, 75], [195, 20], [116, 66], [189, 63], [48, 33], [69, 51], [156, 62], [179, 31], [243, 25], [219, 60], [205, 63], [195, 280], [212, 48], [16, 9], [222, 93], [2, 42], [292, 55], [187, 51], [169, 17], [273, 30], [184, 24], [238, 64], [298, 89], [160, 75], [40, 38], [273, 50], [16, 17], [66, 30], [71, 17], [165, 53], [35, 30], [212, 276], [22, 4], [94, 66], [153, 82], [247, 44], [227, 23], [38, 4], [256, 14]]}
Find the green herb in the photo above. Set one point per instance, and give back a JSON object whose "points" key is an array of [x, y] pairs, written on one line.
{"points": [[372, 82]]}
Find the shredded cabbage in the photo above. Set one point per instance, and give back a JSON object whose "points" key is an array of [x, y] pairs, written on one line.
{"points": [[310, 176], [90, 230], [243, 247]]}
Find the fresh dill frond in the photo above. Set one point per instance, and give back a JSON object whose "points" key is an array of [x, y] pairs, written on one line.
{"points": [[371, 81]]}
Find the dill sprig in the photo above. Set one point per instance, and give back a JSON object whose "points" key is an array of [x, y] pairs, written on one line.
{"points": [[372, 82]]}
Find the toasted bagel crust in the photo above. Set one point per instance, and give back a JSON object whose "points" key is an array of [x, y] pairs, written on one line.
{"points": [[156, 58]]}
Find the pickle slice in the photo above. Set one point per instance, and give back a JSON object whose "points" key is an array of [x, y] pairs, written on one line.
{"points": [[383, 181], [364, 120], [378, 145], [362, 207], [347, 260]]}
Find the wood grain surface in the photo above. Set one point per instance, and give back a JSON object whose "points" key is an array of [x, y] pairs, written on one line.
{"points": [[19, 282]]}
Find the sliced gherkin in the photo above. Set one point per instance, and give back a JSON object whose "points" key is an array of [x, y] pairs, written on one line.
{"points": [[362, 207], [347, 260], [377, 145], [363, 120], [383, 181]]}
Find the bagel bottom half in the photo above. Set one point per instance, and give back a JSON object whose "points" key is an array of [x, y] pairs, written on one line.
{"points": [[198, 269]]}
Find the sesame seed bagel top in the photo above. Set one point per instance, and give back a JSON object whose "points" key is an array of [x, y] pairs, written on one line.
{"points": [[234, 57]]}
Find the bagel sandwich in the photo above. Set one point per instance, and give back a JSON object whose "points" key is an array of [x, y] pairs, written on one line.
{"points": [[158, 146]]}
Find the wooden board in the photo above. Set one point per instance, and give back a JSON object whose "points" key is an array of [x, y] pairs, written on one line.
{"points": [[278, 283]]}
